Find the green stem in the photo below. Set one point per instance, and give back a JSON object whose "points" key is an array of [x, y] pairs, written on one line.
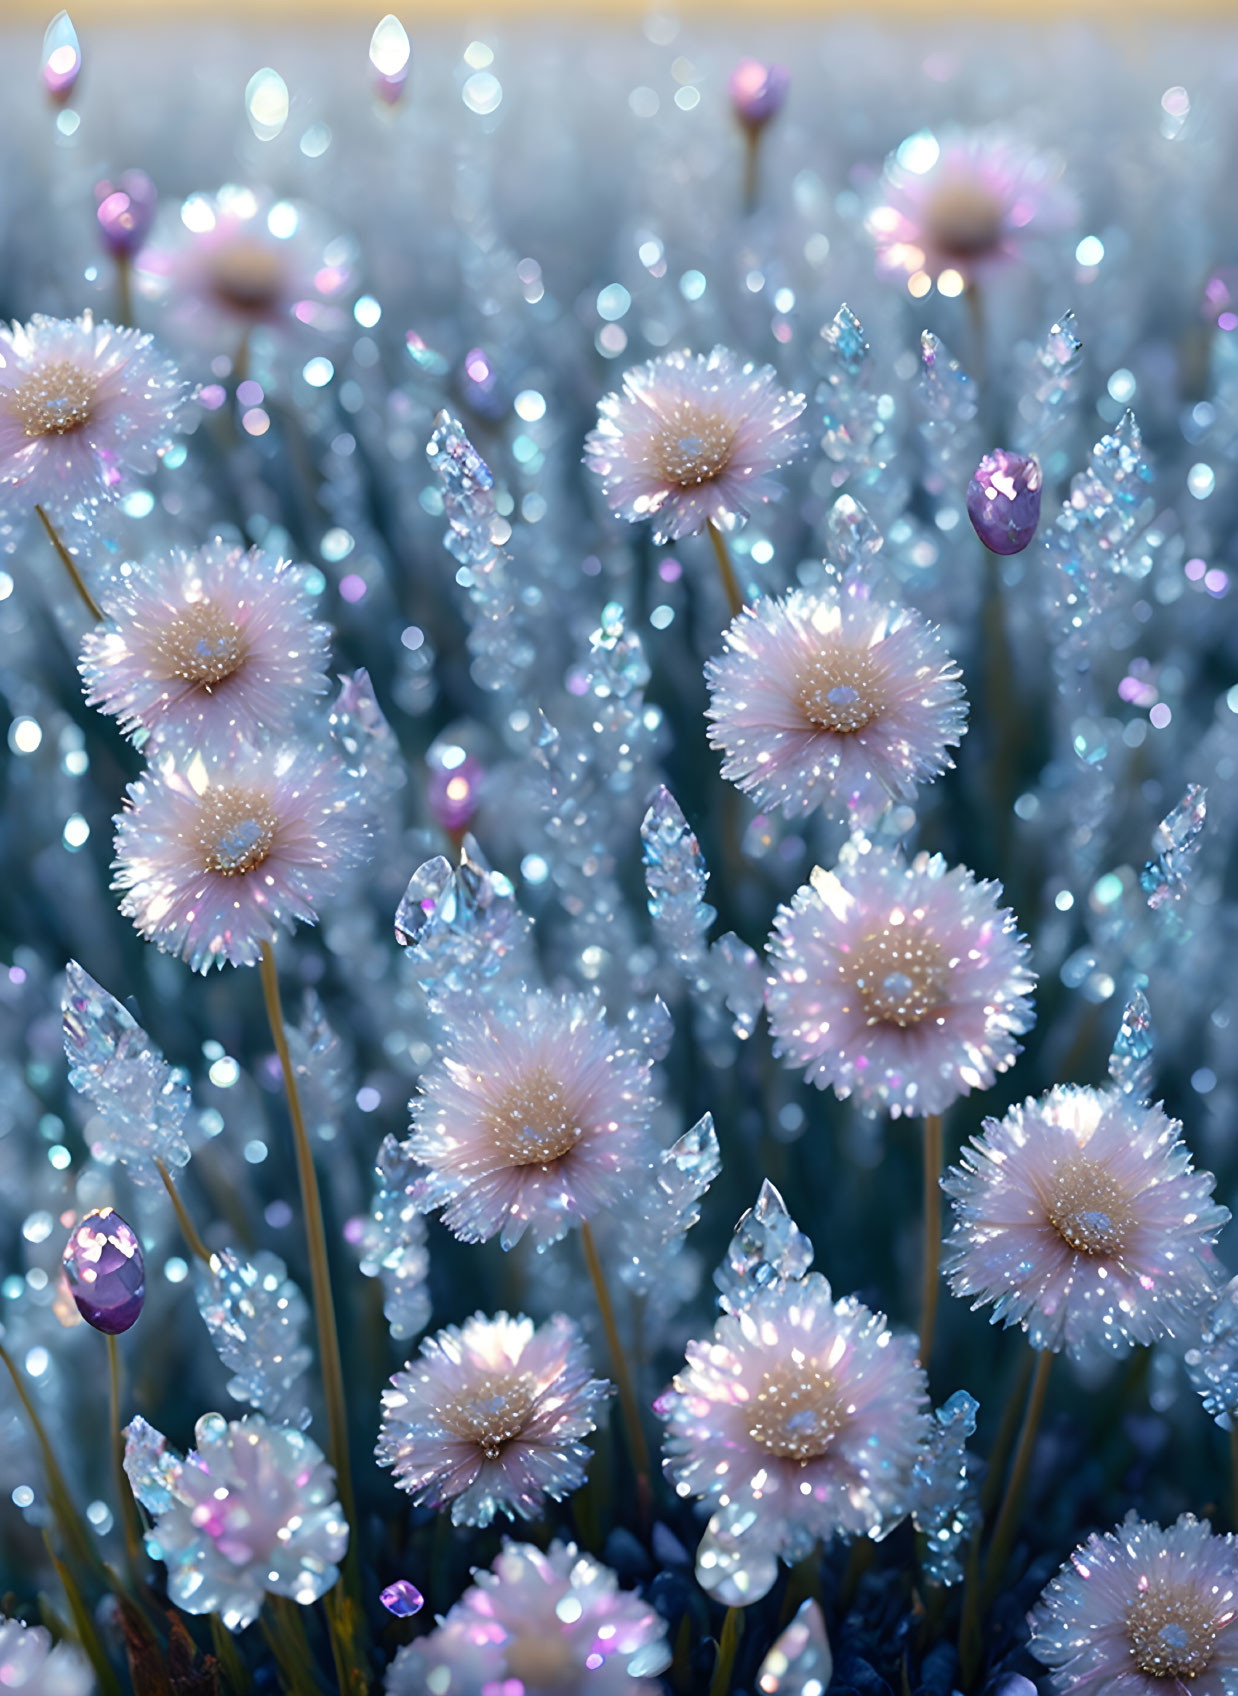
{"points": [[637, 1447], [192, 1239], [84, 1625], [126, 1507], [233, 1668], [999, 1454], [70, 565], [728, 1644], [1008, 1514], [124, 289], [932, 1234], [752, 167], [726, 570], [71, 1528], [971, 1644]]}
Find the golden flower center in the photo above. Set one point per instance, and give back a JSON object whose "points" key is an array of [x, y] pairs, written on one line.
{"points": [[964, 219], [55, 399], [202, 645], [839, 688], [902, 975], [796, 1413], [1172, 1631], [1088, 1208], [236, 829], [494, 1411], [545, 1662], [691, 445], [535, 1121], [247, 276]]}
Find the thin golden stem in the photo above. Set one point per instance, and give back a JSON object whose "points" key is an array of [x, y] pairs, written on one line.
{"points": [[192, 1240], [999, 1454], [728, 1644], [1008, 1514], [726, 570], [84, 1625], [71, 1528], [124, 289], [752, 167], [70, 565], [637, 1447], [932, 1234], [125, 1504]]}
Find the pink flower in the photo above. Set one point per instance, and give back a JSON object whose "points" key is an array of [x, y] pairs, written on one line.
{"points": [[903, 984], [1080, 1217], [1143, 1612], [84, 407], [200, 649], [963, 203], [229, 263], [216, 855], [489, 1417], [692, 441], [800, 1419], [554, 1622], [533, 1116], [833, 700]]}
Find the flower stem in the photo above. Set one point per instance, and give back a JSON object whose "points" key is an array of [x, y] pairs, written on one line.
{"points": [[932, 1234], [70, 565], [637, 1447], [84, 1625], [192, 1240], [324, 1302], [124, 289], [999, 1454], [728, 1643], [71, 1528], [752, 167], [726, 570], [125, 1505], [1008, 1514]]}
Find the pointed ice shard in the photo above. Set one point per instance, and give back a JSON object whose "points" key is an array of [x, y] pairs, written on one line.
{"points": [[675, 876], [420, 900], [152, 1469], [944, 1504], [1212, 1364], [734, 1566], [1130, 1064], [257, 1319], [1050, 392], [393, 1242], [768, 1247], [367, 741], [1175, 844], [140, 1102], [800, 1662], [462, 926], [853, 418], [852, 540]]}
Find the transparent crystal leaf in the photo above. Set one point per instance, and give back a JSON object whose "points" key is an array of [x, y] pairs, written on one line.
{"points": [[1175, 843], [944, 1504], [1130, 1064], [257, 1319], [767, 1247], [393, 1242], [150, 1466], [1212, 1364], [734, 1569], [800, 1662]]}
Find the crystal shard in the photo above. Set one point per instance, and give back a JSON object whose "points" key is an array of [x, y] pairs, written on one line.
{"points": [[1175, 844], [393, 1242], [257, 1319], [1212, 1364], [944, 1502], [461, 927], [1130, 1064], [800, 1662], [767, 1247]]}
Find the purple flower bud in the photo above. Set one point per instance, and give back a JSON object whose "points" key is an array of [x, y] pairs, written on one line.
{"points": [[758, 91], [390, 52], [106, 1272], [126, 212], [403, 1599], [62, 58], [452, 788], [1003, 501]]}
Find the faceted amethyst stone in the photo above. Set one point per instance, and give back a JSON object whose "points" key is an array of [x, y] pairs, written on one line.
{"points": [[403, 1599], [107, 1275], [1003, 501], [126, 212], [758, 91]]}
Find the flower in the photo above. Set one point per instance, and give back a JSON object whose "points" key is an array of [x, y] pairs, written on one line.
{"points": [[532, 1117], [538, 1623], [216, 855], [757, 92], [251, 1509], [30, 1661], [903, 984], [692, 441], [833, 700], [1080, 1217], [961, 204], [801, 1418], [229, 263], [489, 1417], [202, 648], [1143, 1611], [84, 407]]}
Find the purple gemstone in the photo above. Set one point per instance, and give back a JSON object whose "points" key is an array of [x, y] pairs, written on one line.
{"points": [[1003, 501], [452, 792], [126, 212], [758, 91], [403, 1599], [107, 1275]]}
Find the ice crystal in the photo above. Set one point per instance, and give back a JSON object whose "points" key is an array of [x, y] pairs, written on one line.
{"points": [[461, 928], [944, 1502], [140, 1102], [767, 1248], [1130, 1064], [361, 731], [681, 1177], [947, 402], [800, 1662], [1175, 843], [393, 1241], [257, 1319], [1212, 1364], [855, 419], [1050, 392]]}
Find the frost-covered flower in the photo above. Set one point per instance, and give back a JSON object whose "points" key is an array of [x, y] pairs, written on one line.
{"points": [[251, 1509], [1080, 1217], [216, 855], [84, 407], [223, 265], [964, 203], [29, 1661], [902, 984], [800, 1419], [693, 440], [489, 1417], [539, 1623], [202, 648], [533, 1116], [1143, 1611], [833, 700]]}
